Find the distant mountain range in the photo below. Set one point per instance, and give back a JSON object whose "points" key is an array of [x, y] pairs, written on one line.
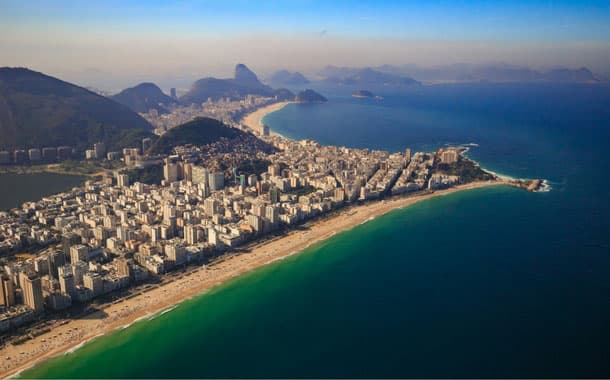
{"points": [[144, 97], [37, 110], [283, 94], [244, 82], [492, 73], [287, 78], [366, 77]]}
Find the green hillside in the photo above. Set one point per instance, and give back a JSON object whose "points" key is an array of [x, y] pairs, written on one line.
{"points": [[199, 131], [37, 110], [144, 97]]}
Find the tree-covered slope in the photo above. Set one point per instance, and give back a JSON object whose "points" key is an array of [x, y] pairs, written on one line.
{"points": [[144, 97], [37, 110], [199, 131]]}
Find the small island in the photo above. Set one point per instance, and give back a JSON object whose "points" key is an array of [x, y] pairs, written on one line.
{"points": [[310, 96], [362, 94]]}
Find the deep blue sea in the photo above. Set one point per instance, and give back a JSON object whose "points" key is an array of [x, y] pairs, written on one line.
{"points": [[492, 282]]}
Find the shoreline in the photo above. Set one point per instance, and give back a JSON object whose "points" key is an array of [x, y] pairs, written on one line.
{"points": [[42, 169], [74, 334], [50, 169], [254, 120]]}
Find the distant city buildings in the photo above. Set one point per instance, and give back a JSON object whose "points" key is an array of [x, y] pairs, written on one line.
{"points": [[225, 109], [99, 149], [35, 156]]}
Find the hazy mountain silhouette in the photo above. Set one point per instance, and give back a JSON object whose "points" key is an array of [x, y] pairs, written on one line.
{"points": [[244, 82], [37, 110], [144, 97], [283, 94], [496, 72], [287, 78], [366, 77]]}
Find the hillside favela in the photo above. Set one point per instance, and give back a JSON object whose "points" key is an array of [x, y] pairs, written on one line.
{"points": [[304, 190]]}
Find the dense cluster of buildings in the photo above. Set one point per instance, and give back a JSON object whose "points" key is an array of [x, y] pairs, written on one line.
{"points": [[131, 156], [224, 109], [109, 234]]}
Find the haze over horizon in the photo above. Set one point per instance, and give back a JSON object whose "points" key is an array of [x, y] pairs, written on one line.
{"points": [[114, 44]]}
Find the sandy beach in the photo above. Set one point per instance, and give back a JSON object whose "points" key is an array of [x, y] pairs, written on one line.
{"points": [[254, 119], [115, 316]]}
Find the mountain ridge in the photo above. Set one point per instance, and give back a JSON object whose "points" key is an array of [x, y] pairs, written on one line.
{"points": [[143, 97], [366, 77], [244, 82], [38, 110], [493, 72], [309, 96], [199, 131], [288, 78]]}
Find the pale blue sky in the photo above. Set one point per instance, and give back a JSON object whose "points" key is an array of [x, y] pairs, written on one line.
{"points": [[155, 37], [479, 20]]}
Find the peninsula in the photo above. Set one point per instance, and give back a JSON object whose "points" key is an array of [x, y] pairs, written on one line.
{"points": [[113, 252], [310, 96]]}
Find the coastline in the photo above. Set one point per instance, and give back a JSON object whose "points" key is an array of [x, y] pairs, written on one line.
{"points": [[254, 120], [52, 169], [72, 335]]}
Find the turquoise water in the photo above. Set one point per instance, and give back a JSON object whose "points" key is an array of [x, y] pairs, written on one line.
{"points": [[15, 189], [492, 282]]}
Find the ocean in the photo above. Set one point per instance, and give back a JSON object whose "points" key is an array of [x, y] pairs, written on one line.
{"points": [[494, 282]]}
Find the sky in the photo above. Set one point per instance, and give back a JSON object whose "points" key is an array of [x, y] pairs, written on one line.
{"points": [[114, 43]]}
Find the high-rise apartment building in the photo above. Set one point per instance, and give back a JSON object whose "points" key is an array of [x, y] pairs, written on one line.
{"points": [[32, 291], [7, 291]]}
